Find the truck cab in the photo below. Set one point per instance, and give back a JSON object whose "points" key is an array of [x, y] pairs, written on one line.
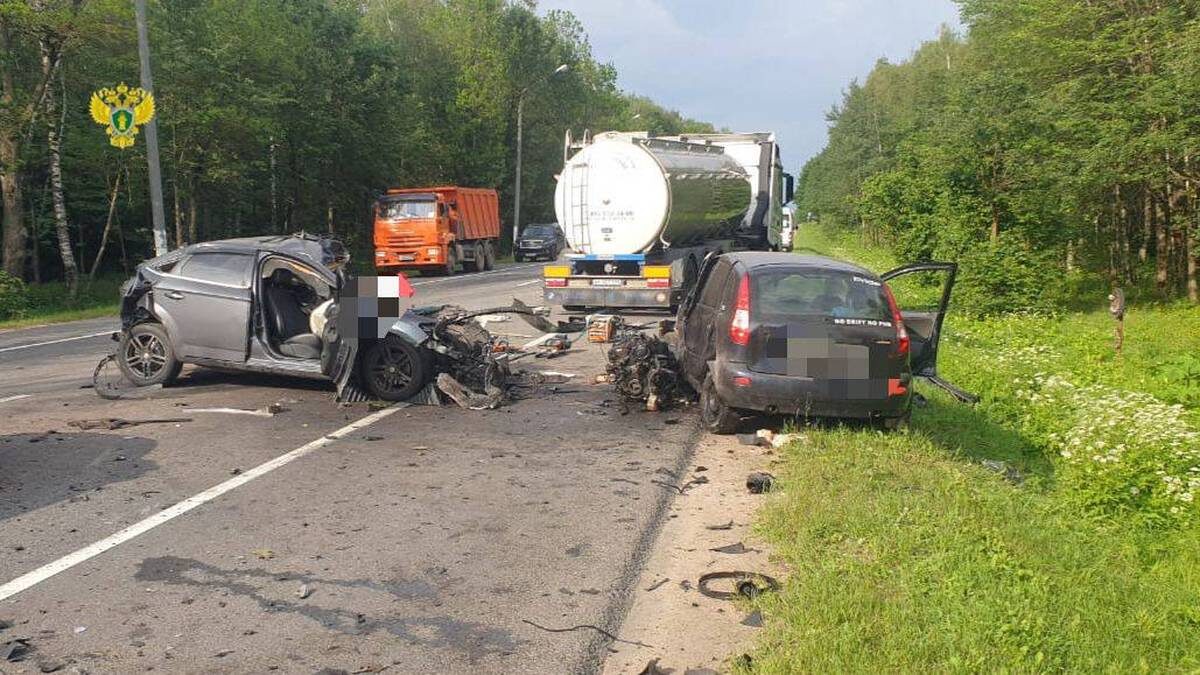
{"points": [[436, 230]]}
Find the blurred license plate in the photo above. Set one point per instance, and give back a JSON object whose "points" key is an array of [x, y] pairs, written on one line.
{"points": [[608, 282], [406, 258]]}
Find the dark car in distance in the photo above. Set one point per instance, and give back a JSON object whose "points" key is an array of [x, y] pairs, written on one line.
{"points": [[540, 241], [807, 336]]}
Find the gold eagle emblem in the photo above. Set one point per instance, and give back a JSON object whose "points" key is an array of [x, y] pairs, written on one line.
{"points": [[121, 111]]}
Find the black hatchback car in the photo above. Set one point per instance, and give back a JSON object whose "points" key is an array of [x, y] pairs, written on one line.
{"points": [[808, 336]]}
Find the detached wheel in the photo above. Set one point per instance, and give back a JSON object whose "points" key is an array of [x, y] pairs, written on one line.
{"points": [[717, 417], [394, 370], [145, 355]]}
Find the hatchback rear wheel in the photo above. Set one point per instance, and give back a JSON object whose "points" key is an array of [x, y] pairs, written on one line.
{"points": [[394, 370], [145, 355], [717, 417]]}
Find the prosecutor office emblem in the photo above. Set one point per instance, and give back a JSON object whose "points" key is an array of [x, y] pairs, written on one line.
{"points": [[121, 111]]}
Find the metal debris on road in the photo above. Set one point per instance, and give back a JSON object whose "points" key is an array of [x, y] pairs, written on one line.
{"points": [[753, 619], [724, 526], [760, 482], [15, 650], [268, 411], [113, 423], [581, 626], [766, 438], [658, 584], [733, 549], [746, 584]]}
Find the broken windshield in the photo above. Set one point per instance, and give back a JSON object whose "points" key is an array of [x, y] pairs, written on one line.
{"points": [[407, 210]]}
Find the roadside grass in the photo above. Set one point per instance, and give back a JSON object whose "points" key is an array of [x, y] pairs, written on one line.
{"points": [[906, 553], [49, 302]]}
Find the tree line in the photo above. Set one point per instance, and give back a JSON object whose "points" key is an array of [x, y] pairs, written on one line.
{"points": [[1054, 146], [281, 115]]}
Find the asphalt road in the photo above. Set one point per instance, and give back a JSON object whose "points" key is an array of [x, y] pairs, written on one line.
{"points": [[414, 539]]}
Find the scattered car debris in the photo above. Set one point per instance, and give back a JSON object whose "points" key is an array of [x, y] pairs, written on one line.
{"points": [[269, 411], [766, 438], [681, 489], [656, 585], [746, 584], [760, 482], [653, 669], [113, 423], [598, 629], [733, 549], [753, 619], [723, 526], [304, 591], [643, 369], [1007, 471], [109, 382], [15, 650]]}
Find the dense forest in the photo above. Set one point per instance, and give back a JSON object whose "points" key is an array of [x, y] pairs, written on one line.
{"points": [[282, 115], [1054, 147]]}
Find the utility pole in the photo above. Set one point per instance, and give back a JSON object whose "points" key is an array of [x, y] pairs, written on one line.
{"points": [[520, 122], [517, 189], [156, 193]]}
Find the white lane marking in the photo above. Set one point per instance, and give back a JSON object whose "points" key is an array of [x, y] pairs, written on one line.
{"points": [[529, 283], [54, 342], [70, 560], [18, 397]]}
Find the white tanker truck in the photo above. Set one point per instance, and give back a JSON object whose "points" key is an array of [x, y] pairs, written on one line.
{"points": [[641, 212]]}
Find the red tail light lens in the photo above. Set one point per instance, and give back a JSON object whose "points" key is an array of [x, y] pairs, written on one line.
{"points": [[902, 342], [739, 328]]}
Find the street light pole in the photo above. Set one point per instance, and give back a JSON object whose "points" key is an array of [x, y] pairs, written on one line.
{"points": [[517, 180], [156, 193], [517, 187]]}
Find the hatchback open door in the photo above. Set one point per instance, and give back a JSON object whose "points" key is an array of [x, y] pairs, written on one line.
{"points": [[923, 292]]}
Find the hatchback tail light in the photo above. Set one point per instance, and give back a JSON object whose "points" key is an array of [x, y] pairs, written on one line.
{"points": [[739, 328], [903, 344]]}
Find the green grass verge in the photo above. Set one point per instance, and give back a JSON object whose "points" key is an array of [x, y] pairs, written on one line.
{"points": [[907, 554], [50, 303]]}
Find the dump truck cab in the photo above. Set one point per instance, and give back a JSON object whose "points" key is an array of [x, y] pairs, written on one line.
{"points": [[436, 230]]}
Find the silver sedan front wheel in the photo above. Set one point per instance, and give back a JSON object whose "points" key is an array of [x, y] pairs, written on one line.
{"points": [[146, 357]]}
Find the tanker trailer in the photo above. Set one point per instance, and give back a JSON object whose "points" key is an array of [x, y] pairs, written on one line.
{"points": [[640, 213]]}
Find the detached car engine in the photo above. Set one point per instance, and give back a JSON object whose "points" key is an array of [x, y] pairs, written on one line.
{"points": [[643, 368]]}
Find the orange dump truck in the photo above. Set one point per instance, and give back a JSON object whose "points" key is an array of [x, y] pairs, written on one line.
{"points": [[436, 229]]}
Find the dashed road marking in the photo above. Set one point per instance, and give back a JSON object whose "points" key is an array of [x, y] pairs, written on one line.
{"points": [[54, 342], [17, 397], [37, 576]]}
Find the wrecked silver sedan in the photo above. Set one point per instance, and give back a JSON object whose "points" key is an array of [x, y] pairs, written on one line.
{"points": [[266, 305], [285, 305]]}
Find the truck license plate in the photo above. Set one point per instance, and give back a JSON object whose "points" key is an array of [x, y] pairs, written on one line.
{"points": [[406, 258], [608, 282]]}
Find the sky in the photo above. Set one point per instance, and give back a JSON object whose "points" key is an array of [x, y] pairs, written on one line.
{"points": [[754, 65]]}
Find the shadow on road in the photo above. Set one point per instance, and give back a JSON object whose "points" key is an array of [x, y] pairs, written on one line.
{"points": [[38, 470], [195, 378]]}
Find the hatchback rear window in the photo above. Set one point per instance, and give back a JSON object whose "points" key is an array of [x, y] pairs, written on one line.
{"points": [[779, 294]]}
